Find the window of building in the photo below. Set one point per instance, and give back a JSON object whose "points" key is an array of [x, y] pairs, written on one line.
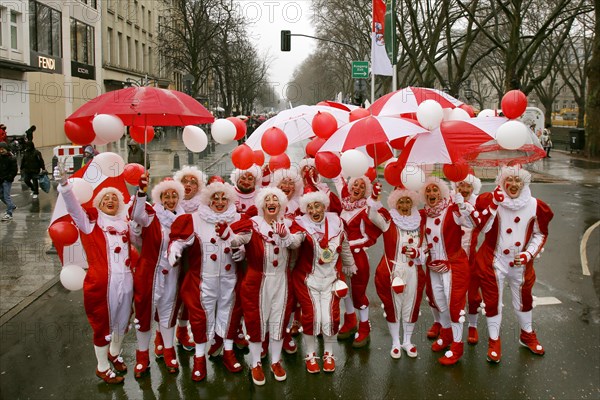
{"points": [[45, 29], [109, 45], [142, 19], [119, 52], [150, 20], [128, 53], [136, 57], [82, 42], [2, 11], [144, 58], [91, 3], [14, 31], [150, 66]]}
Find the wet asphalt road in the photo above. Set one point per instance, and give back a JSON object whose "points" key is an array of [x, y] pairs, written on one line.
{"points": [[46, 350]]}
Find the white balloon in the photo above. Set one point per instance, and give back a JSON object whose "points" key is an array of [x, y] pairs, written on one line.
{"points": [[412, 177], [487, 113], [354, 163], [194, 138], [72, 276], [511, 135], [223, 131], [110, 164], [458, 114], [430, 114], [82, 190], [108, 128]]}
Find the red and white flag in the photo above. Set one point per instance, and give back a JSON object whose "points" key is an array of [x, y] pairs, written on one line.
{"points": [[380, 63]]}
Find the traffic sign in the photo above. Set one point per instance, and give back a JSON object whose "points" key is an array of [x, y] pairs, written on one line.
{"points": [[360, 69]]}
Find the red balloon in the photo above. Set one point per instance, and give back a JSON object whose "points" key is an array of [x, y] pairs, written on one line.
{"points": [[391, 174], [456, 172], [242, 157], [259, 157], [323, 103], [240, 127], [137, 134], [132, 173], [63, 233], [281, 161], [80, 133], [371, 174], [274, 142], [514, 104], [359, 113], [324, 124], [380, 152], [468, 109], [314, 145], [328, 164]]}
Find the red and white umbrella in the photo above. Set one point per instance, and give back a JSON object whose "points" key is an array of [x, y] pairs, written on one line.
{"points": [[335, 104], [407, 100], [469, 141], [371, 130]]}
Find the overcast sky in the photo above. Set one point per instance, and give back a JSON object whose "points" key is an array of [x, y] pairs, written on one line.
{"points": [[267, 19]]}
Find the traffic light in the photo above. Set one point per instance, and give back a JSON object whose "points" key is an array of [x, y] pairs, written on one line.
{"points": [[286, 40]]}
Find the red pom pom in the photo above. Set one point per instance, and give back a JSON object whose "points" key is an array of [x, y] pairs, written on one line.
{"points": [[213, 257]]}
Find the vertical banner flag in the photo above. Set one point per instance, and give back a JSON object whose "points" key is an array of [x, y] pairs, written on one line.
{"points": [[380, 63], [391, 41]]}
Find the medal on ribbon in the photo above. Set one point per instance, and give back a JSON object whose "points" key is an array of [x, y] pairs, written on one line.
{"points": [[326, 254]]}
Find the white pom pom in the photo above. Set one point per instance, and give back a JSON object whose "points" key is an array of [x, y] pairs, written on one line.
{"points": [[382, 306], [384, 315], [461, 320], [484, 212], [108, 338], [462, 312], [136, 321], [476, 214], [483, 312], [138, 326]]}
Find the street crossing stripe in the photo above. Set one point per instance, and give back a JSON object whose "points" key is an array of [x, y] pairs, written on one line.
{"points": [[583, 248], [546, 301]]}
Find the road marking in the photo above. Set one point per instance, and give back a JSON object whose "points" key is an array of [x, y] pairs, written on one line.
{"points": [[582, 248], [546, 301]]}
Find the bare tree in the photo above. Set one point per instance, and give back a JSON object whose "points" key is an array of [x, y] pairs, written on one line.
{"points": [[592, 126]]}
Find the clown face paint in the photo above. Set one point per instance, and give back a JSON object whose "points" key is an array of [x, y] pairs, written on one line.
{"points": [[404, 205], [170, 199], [271, 208], [246, 183], [512, 186], [190, 185], [316, 211], [358, 190], [287, 186], [109, 204], [465, 189], [433, 195], [219, 203]]}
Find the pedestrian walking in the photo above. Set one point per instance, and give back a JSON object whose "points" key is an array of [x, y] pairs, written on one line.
{"points": [[136, 154], [88, 154], [8, 172], [29, 133], [3, 136], [546, 142], [32, 164]]}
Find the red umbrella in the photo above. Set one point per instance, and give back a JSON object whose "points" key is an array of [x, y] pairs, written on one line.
{"points": [[470, 141], [146, 106], [371, 130], [407, 100]]}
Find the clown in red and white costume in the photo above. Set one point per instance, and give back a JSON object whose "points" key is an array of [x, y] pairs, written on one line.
{"points": [[155, 282], [265, 293], [245, 183], [361, 235], [400, 266], [447, 263], [208, 288], [324, 254], [193, 181], [516, 228], [310, 177], [108, 285]]}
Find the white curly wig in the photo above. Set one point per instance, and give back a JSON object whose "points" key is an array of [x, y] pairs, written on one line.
{"points": [[259, 200], [471, 180], [441, 184], [193, 171], [368, 184], [166, 184], [397, 194], [237, 173], [216, 187], [98, 198], [515, 170], [311, 197], [281, 174]]}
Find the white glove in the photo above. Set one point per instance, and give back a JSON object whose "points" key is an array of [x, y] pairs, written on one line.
{"points": [[174, 255], [239, 253], [459, 200], [60, 175], [280, 229], [350, 270]]}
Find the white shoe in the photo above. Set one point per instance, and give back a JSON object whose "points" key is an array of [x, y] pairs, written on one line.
{"points": [[396, 353], [7, 217], [410, 349], [35, 196]]}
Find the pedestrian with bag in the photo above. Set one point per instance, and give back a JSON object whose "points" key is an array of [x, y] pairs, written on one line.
{"points": [[8, 171], [32, 164]]}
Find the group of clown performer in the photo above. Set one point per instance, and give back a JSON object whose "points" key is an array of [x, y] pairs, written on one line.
{"points": [[273, 253]]}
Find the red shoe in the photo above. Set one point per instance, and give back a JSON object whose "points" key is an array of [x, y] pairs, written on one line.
{"points": [[278, 371], [109, 377], [183, 337], [216, 347], [289, 346], [349, 328], [434, 331], [142, 363], [452, 356], [258, 376], [328, 362], [240, 340], [171, 360], [443, 341], [362, 337], [473, 335], [311, 364], [529, 340], [159, 345], [230, 361], [494, 350], [199, 371], [118, 364], [295, 328]]}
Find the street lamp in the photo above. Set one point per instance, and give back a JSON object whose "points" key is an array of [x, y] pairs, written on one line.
{"points": [[468, 90], [188, 81], [145, 81], [446, 88]]}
